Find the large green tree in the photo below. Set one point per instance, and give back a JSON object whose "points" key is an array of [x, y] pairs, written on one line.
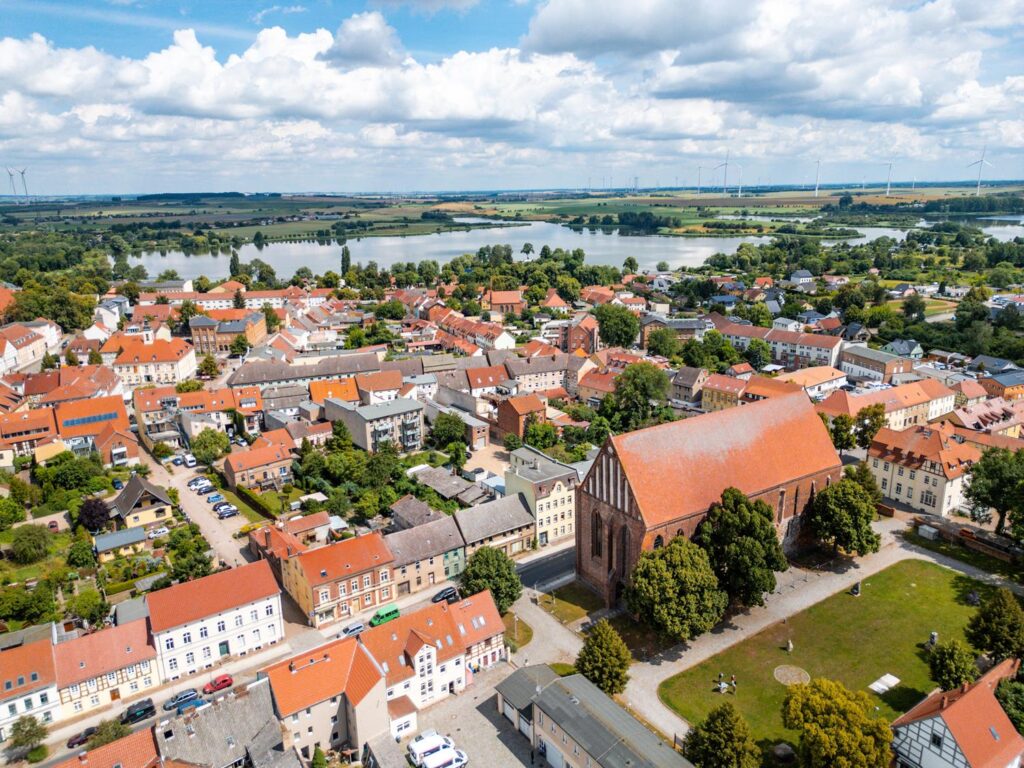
{"points": [[952, 664], [490, 568], [616, 325], [997, 482], [639, 389], [997, 627], [675, 591], [860, 473], [841, 432], [209, 445], [1010, 694], [664, 342], [108, 731], [758, 353], [837, 726], [29, 544], [604, 658], [208, 366], [27, 733], [867, 422], [841, 516], [447, 428], [739, 536], [722, 740]]}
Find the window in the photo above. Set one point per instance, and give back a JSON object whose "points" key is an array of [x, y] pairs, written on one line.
{"points": [[937, 740], [238, 620], [874, 463], [221, 626], [367, 599], [206, 652], [172, 664], [169, 643], [186, 637], [203, 631], [900, 471], [12, 709], [385, 593], [325, 595], [94, 701], [111, 678], [366, 581], [190, 658], [44, 699], [254, 615], [342, 591], [73, 689], [899, 488], [78, 706], [384, 573], [269, 609]]}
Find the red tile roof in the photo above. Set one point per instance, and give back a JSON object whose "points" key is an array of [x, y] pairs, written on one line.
{"points": [[486, 377], [159, 351], [105, 651], [345, 558], [341, 666], [680, 469], [894, 398], [210, 595], [78, 410], [970, 389], [241, 461], [379, 381], [525, 404], [340, 389], [719, 382], [917, 446], [137, 750], [27, 667]]}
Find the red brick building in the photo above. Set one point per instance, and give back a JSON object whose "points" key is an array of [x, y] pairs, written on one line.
{"points": [[649, 486], [514, 412]]}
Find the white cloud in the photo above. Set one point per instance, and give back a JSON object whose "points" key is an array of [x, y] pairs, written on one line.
{"points": [[284, 10], [365, 39]]}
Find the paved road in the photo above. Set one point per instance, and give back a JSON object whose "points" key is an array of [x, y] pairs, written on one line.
{"points": [[545, 568]]}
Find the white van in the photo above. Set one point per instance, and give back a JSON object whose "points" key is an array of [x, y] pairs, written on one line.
{"points": [[446, 758], [420, 749], [190, 460]]}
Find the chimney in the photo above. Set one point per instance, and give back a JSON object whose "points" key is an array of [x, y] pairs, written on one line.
{"points": [[291, 667], [943, 702]]}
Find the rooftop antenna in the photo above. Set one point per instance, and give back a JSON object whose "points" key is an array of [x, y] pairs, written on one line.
{"points": [[14, 190], [981, 164], [725, 173], [888, 180], [24, 186], [817, 175]]}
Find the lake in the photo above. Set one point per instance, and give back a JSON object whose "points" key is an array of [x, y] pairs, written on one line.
{"points": [[601, 247]]}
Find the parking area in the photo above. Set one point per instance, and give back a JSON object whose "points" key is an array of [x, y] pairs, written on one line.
{"points": [[472, 721], [492, 457]]}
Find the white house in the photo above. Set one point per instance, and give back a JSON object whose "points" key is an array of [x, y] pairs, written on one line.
{"points": [[28, 677], [198, 624]]}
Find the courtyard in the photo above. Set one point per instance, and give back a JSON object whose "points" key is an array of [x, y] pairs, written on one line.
{"points": [[855, 640]]}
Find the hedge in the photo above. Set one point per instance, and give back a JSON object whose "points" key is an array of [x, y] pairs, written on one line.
{"points": [[254, 501]]}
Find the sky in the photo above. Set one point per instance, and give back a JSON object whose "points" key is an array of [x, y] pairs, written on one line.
{"points": [[136, 96]]}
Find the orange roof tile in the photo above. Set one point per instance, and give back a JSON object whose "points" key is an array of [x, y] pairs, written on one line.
{"points": [[137, 750], [894, 398], [241, 461], [491, 376], [345, 558], [719, 382], [108, 650], [210, 595], [524, 404], [339, 667], [339, 389], [680, 469], [919, 445], [970, 389], [27, 667], [379, 381], [159, 351], [76, 418], [813, 376]]}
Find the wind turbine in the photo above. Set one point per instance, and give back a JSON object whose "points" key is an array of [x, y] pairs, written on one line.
{"points": [[699, 169], [888, 180], [725, 173], [23, 184], [739, 192], [14, 190], [981, 164], [817, 175]]}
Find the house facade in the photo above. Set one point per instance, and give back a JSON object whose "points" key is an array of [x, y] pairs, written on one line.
{"points": [[28, 676], [399, 422], [426, 555], [549, 488]]}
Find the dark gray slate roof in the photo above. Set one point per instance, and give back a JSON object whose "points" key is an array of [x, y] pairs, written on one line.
{"points": [[442, 481], [540, 364], [132, 492], [687, 376], [493, 518], [131, 610], [519, 688], [411, 366], [409, 512], [259, 372], [226, 731], [109, 541], [602, 728], [431, 539]]}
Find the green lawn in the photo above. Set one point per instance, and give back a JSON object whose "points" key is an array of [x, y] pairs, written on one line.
{"points": [[519, 632], [852, 639], [571, 603], [966, 555], [642, 642]]}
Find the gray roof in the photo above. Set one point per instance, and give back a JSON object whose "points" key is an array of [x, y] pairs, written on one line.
{"points": [[259, 372], [396, 407], [687, 376], [106, 542], [493, 518], [240, 725], [519, 688], [133, 491], [868, 353], [539, 364], [435, 363], [410, 512], [442, 481], [1010, 378], [131, 610], [992, 364], [431, 539], [202, 321], [538, 467], [676, 323], [602, 728], [409, 366], [903, 346]]}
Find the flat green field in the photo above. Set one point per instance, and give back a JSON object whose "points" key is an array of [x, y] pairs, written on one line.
{"points": [[855, 640]]}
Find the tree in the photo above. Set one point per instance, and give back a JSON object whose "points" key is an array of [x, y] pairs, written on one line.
{"points": [[88, 605], [540, 434], [11, 512], [456, 455], [186, 311], [952, 664], [869, 420], [1010, 694], [346, 260], [29, 544], [71, 359], [758, 353], [664, 342], [914, 308], [188, 385], [94, 514], [108, 731], [836, 726], [997, 628], [162, 451], [271, 318], [238, 300], [448, 428], [239, 345], [743, 548], [512, 442], [319, 758], [638, 390], [674, 590], [841, 432], [662, 266], [841, 515], [722, 740], [95, 358], [27, 733], [996, 482], [48, 363], [492, 569], [209, 445], [630, 265], [616, 325], [604, 659], [860, 473], [208, 366], [80, 554]]}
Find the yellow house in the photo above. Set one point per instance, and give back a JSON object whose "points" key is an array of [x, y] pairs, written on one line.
{"points": [[123, 543], [141, 505]]}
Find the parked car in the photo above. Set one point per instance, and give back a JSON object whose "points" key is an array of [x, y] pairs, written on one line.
{"points": [[352, 630], [420, 749], [190, 460], [449, 757], [203, 489], [384, 615], [214, 498], [198, 480], [449, 594], [177, 461], [81, 737], [156, 533], [218, 684], [180, 698], [221, 506], [137, 712], [53, 525], [226, 513], [118, 485]]}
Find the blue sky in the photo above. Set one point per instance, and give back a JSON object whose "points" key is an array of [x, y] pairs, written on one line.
{"points": [[403, 95]]}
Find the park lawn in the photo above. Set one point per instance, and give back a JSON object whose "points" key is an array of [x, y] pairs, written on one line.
{"points": [[519, 632], [931, 306], [855, 640], [571, 603], [967, 555], [643, 642], [244, 509]]}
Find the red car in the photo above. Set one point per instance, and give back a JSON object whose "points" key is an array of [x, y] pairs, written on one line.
{"points": [[218, 684]]}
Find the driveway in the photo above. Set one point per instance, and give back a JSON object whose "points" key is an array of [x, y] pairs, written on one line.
{"points": [[492, 457], [219, 533]]}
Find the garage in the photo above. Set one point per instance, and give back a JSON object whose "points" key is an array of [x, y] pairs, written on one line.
{"points": [[510, 712], [551, 754], [525, 727]]}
